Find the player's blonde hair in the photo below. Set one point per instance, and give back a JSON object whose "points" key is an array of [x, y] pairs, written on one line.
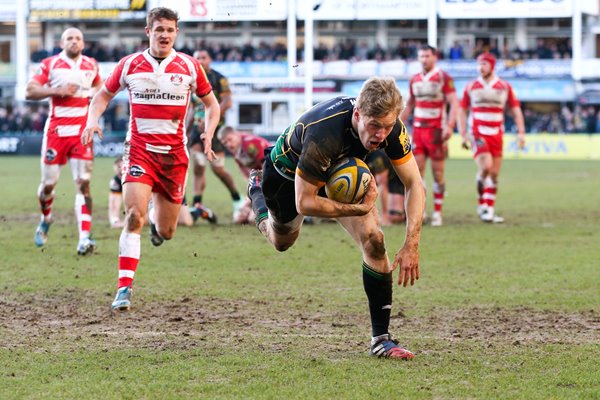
{"points": [[379, 96], [161, 13], [224, 131]]}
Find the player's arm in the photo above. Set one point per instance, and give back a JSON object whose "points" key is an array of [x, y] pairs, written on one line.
{"points": [[408, 109], [212, 118], [37, 91], [517, 115], [408, 256], [463, 113], [452, 100], [310, 204], [226, 103], [97, 107]]}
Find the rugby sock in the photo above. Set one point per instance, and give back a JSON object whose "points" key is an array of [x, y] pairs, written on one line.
{"points": [[479, 181], [259, 206], [84, 216], [438, 196], [235, 195], [489, 192], [46, 201], [378, 288], [197, 199], [129, 257]]}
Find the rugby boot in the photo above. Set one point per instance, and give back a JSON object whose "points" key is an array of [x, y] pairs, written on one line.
{"points": [[41, 234], [383, 346], [122, 301], [155, 238], [86, 246], [201, 211]]}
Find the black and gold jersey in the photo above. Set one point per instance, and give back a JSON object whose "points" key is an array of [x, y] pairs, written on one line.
{"points": [[323, 135]]}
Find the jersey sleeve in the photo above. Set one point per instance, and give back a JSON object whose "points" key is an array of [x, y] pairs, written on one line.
{"points": [[97, 78], [398, 147], [316, 158], [115, 82], [448, 87], [203, 86], [512, 100], [43, 72], [465, 102]]}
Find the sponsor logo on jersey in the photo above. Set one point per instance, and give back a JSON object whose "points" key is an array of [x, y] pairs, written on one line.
{"points": [[157, 96], [136, 171], [50, 155]]}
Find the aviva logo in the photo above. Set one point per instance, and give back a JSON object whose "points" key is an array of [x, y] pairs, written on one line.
{"points": [[536, 146]]}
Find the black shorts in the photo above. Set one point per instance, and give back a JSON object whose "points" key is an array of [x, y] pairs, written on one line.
{"points": [[217, 146], [279, 192]]}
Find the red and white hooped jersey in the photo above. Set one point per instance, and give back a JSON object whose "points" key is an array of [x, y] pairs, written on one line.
{"points": [[159, 94], [251, 153], [429, 91], [488, 101], [68, 115]]}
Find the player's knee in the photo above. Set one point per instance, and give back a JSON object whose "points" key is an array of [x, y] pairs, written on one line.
{"points": [[374, 244], [134, 219], [84, 187]]}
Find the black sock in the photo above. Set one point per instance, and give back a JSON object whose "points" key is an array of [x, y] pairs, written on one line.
{"points": [[259, 206], [378, 288], [235, 196], [197, 199]]}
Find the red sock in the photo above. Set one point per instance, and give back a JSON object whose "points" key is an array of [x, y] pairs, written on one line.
{"points": [[129, 257], [84, 216]]}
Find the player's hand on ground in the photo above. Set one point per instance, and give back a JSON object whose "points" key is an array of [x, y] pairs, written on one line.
{"points": [[87, 136], [408, 261]]}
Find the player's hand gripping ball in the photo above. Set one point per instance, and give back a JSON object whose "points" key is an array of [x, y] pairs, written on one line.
{"points": [[348, 180]]}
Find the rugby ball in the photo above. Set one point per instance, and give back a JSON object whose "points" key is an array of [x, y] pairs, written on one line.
{"points": [[348, 180]]}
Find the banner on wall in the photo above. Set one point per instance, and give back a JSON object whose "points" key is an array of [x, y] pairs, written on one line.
{"points": [[365, 9], [477, 9], [47, 10], [228, 10]]}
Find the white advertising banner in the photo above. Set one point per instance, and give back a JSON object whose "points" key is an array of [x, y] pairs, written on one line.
{"points": [[505, 8], [365, 9], [227, 10]]}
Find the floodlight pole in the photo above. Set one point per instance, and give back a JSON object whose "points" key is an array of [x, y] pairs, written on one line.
{"points": [[576, 41], [432, 25], [308, 55], [22, 50]]}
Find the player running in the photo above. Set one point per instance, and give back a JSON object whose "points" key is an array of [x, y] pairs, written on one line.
{"points": [[69, 79], [430, 91], [487, 97], [296, 169], [160, 82]]}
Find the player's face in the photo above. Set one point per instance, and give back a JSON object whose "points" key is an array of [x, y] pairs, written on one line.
{"points": [[231, 142], [72, 42], [372, 131], [204, 59], [162, 35], [484, 68], [427, 59]]}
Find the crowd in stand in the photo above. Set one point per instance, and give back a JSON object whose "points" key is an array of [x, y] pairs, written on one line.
{"points": [[30, 118], [349, 49]]}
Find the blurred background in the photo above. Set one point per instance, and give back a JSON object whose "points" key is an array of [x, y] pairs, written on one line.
{"points": [[275, 51]]}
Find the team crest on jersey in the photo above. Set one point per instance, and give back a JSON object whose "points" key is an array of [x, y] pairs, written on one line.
{"points": [[176, 79], [252, 150], [50, 155], [136, 171]]}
